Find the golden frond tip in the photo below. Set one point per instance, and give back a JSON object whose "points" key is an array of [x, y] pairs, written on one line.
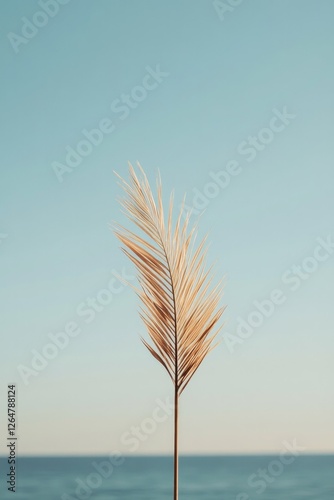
{"points": [[180, 309]]}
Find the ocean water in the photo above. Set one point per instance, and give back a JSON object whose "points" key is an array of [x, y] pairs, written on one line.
{"points": [[150, 478]]}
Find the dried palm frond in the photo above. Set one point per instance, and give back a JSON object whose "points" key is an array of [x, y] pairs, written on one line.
{"points": [[179, 305]]}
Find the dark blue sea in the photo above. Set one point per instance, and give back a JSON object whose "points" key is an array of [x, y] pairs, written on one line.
{"points": [[150, 478]]}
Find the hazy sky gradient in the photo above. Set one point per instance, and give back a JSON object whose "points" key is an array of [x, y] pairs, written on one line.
{"points": [[225, 78]]}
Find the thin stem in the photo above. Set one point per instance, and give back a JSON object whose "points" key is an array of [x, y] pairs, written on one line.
{"points": [[176, 444]]}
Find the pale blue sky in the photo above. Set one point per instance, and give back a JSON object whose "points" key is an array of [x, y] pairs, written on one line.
{"points": [[222, 80]]}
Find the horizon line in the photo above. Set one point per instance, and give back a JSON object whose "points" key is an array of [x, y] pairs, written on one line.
{"points": [[185, 455]]}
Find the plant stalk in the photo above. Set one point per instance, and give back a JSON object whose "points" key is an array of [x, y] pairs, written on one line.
{"points": [[176, 444]]}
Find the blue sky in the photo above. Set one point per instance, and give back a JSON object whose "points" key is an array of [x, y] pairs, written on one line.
{"points": [[202, 90]]}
